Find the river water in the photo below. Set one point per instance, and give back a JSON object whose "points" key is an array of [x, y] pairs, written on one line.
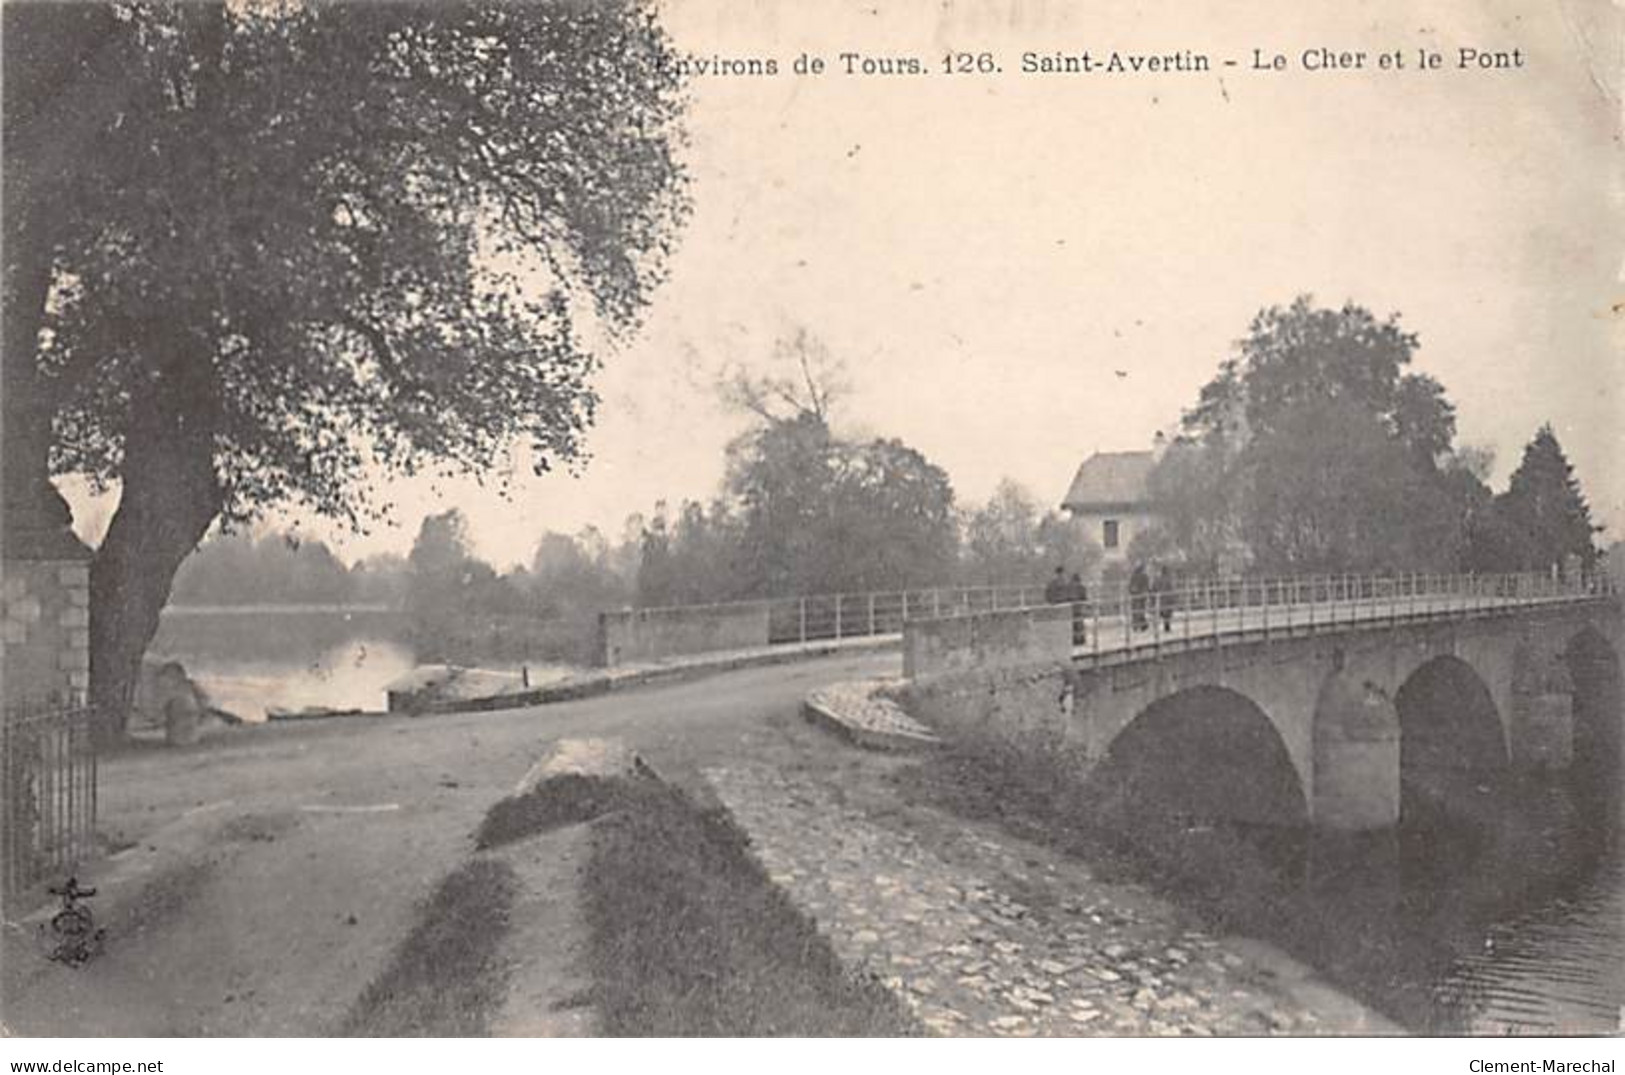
{"points": [[254, 660], [1558, 968], [1506, 918], [1534, 920]]}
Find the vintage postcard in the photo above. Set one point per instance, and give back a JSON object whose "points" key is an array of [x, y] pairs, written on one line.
{"points": [[857, 519]]}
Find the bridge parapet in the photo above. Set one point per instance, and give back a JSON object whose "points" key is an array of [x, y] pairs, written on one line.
{"points": [[1208, 613], [985, 641], [630, 636]]}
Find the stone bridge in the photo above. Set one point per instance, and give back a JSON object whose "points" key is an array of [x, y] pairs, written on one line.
{"points": [[1291, 711]]}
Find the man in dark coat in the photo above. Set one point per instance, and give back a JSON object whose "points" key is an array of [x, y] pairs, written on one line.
{"points": [[1139, 586], [1055, 588], [1078, 594], [1164, 588]]}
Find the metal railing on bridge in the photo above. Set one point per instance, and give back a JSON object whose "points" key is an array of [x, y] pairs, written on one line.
{"points": [[1216, 612], [1199, 608], [866, 614]]}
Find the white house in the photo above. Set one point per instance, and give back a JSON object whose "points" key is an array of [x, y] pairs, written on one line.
{"points": [[1109, 500]]}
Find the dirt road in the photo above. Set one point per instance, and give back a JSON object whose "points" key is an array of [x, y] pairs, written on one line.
{"points": [[269, 872]]}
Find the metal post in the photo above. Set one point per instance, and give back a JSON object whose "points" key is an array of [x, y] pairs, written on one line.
{"points": [[1189, 600], [1092, 624], [1213, 613], [1123, 615], [802, 619], [837, 617], [871, 614]]}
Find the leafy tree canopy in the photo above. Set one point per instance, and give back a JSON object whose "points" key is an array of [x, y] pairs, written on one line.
{"points": [[817, 514], [1303, 354], [1313, 449], [251, 247], [312, 223], [1330, 490]]}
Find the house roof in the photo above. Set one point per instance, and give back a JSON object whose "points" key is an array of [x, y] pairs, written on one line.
{"points": [[1110, 479]]}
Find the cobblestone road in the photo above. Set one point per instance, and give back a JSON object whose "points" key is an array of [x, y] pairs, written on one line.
{"points": [[981, 933]]}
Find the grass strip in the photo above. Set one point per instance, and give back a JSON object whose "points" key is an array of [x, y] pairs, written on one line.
{"points": [[447, 978], [567, 799], [690, 938]]}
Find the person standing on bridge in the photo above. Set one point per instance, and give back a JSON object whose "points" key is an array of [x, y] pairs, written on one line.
{"points": [[1055, 590], [1166, 601], [1139, 588], [1078, 594]]}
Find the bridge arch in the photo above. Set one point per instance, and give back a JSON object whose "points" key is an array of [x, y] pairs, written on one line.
{"points": [[1207, 753], [1451, 738]]}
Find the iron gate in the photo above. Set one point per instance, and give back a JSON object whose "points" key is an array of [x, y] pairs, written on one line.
{"points": [[47, 790]]}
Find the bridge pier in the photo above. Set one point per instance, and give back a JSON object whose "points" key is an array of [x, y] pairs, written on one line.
{"points": [[1356, 757], [1540, 726]]}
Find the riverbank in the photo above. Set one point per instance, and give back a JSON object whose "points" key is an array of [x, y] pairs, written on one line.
{"points": [[982, 933], [601, 681], [1513, 933]]}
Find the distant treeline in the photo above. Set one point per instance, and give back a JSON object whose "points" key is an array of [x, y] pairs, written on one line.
{"points": [[1313, 450], [284, 569], [878, 517]]}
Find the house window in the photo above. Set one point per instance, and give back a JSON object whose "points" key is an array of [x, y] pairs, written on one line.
{"points": [[1108, 533]]}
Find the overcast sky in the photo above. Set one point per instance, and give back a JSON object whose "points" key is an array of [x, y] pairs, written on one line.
{"points": [[986, 253]]}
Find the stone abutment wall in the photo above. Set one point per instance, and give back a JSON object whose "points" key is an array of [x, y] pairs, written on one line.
{"points": [[638, 636]]}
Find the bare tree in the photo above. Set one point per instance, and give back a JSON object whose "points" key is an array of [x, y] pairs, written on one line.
{"points": [[802, 380]]}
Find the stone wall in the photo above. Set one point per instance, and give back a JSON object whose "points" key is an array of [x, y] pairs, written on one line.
{"points": [[986, 642], [1540, 724], [636, 636], [45, 625], [1356, 756]]}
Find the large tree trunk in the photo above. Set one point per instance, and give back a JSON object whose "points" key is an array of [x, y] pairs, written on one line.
{"points": [[170, 497]]}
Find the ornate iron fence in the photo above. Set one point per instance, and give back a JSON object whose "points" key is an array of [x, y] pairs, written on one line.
{"points": [[47, 790]]}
